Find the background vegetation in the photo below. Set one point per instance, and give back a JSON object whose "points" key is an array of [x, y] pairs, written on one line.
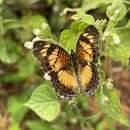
{"points": [[27, 102]]}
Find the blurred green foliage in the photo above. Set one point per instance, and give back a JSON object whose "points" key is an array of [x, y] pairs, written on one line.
{"points": [[20, 20]]}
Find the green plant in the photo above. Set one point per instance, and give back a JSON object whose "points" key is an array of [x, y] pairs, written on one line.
{"points": [[111, 44], [19, 77]]}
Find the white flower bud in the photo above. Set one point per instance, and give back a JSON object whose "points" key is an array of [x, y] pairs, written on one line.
{"points": [[116, 39], [36, 31], [28, 45], [105, 35], [44, 26], [36, 39], [104, 100]]}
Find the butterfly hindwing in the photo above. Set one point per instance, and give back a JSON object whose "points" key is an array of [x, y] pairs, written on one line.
{"points": [[65, 82], [86, 48], [89, 77]]}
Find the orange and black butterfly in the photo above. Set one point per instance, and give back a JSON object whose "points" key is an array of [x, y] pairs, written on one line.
{"points": [[74, 72]]}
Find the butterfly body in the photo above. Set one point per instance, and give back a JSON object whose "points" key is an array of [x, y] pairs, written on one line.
{"points": [[72, 73]]}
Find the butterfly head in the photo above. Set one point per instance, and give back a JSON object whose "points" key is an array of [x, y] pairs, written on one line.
{"points": [[72, 53]]}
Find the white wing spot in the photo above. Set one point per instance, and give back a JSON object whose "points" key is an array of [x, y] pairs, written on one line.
{"points": [[47, 77]]}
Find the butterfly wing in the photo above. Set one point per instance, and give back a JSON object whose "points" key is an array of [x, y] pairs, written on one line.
{"points": [[87, 53], [86, 48], [55, 62], [51, 56], [65, 82], [89, 77]]}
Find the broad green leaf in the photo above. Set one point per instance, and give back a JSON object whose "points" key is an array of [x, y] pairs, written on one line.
{"points": [[93, 4], [15, 105], [4, 57], [16, 108], [44, 102], [111, 123], [1, 1], [12, 24], [84, 18], [116, 11], [78, 26], [34, 21], [25, 69], [38, 125], [14, 126], [69, 37], [121, 52], [6, 47], [87, 5], [109, 103], [101, 125]]}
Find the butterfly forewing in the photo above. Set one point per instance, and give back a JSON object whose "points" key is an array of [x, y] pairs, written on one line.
{"points": [[51, 56], [86, 48]]}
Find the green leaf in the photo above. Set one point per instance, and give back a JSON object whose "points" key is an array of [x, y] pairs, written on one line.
{"points": [[101, 125], [15, 105], [44, 102], [34, 21], [121, 52], [4, 57], [84, 18], [1, 1], [24, 69], [38, 125], [14, 126], [109, 103], [12, 24], [69, 37], [116, 11], [93, 4], [87, 5], [16, 108], [6, 47]]}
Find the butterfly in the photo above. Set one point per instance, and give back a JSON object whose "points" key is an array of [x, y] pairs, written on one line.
{"points": [[72, 73]]}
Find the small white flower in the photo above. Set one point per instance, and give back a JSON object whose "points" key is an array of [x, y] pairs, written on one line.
{"points": [[55, 8], [105, 35], [36, 39], [36, 31], [117, 12], [109, 85], [44, 26], [47, 77], [104, 99], [112, 17], [116, 39], [28, 45]]}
